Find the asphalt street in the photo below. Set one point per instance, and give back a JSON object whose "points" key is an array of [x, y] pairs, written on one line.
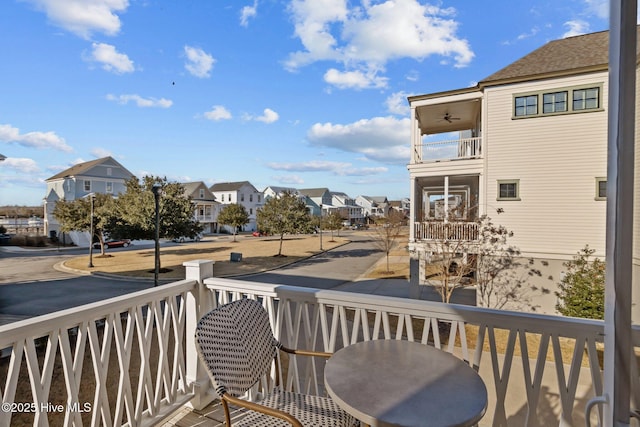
{"points": [[30, 285]]}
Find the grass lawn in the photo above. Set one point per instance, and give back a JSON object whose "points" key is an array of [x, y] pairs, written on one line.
{"points": [[258, 254]]}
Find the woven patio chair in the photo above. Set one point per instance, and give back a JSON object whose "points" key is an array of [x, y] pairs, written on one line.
{"points": [[237, 346]]}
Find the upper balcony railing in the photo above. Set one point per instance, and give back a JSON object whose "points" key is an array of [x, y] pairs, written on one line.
{"points": [[131, 360], [465, 148], [440, 230]]}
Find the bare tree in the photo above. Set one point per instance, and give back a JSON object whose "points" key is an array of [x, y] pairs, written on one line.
{"points": [[386, 232], [484, 258]]}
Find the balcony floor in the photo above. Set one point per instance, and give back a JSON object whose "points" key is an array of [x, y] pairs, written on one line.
{"points": [[210, 416]]}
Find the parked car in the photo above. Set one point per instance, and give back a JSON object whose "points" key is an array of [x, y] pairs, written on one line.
{"points": [[258, 234], [114, 243], [183, 239]]}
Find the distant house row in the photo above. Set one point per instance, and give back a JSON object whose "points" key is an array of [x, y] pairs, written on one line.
{"points": [[106, 175]]}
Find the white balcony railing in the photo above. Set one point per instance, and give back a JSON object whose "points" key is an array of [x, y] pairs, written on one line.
{"points": [[440, 230], [465, 148], [131, 360]]}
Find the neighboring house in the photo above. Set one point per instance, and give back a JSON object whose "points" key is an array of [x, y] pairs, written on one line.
{"points": [[318, 200], [242, 192], [530, 140], [273, 191], [205, 207], [103, 175], [347, 207], [373, 207]]}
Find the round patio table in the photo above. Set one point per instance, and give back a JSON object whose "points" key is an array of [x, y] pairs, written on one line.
{"points": [[404, 383]]}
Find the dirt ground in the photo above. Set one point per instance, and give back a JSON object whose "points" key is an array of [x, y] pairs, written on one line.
{"points": [[258, 254]]}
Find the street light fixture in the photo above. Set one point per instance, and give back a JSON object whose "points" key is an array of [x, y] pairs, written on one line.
{"points": [[92, 197], [157, 190]]}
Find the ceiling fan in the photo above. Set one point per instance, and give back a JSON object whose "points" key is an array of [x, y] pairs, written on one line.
{"points": [[448, 117]]}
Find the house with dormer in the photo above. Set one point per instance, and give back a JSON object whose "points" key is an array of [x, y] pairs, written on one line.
{"points": [[105, 175], [529, 141], [205, 207]]}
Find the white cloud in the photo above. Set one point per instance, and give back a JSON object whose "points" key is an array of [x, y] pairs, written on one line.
{"points": [[140, 101], [248, 12], [599, 8], [111, 59], [370, 35], [100, 152], [576, 27], [268, 116], [288, 179], [383, 139], [218, 112], [397, 104], [354, 79], [40, 140], [22, 165], [199, 63], [84, 17], [336, 168]]}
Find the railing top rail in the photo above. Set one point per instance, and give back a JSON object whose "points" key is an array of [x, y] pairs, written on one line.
{"points": [[42, 325], [450, 141], [529, 322]]}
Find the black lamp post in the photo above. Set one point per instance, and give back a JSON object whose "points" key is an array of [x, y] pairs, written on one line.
{"points": [[320, 226], [92, 196], [157, 189]]}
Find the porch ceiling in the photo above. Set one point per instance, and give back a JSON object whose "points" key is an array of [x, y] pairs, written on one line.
{"points": [[462, 115]]}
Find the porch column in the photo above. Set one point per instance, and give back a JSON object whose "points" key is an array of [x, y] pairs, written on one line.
{"points": [[620, 182], [446, 199], [416, 148], [412, 210], [199, 302]]}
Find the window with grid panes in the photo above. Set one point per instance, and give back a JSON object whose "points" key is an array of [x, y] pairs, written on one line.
{"points": [[555, 102], [526, 105]]}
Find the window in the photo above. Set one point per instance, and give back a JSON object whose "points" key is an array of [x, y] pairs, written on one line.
{"points": [[555, 102], [87, 185], [109, 187], [258, 198], [601, 188], [202, 193], [509, 189], [109, 171], [223, 197], [526, 105], [250, 211], [229, 196], [586, 99], [251, 197], [242, 197], [576, 99]]}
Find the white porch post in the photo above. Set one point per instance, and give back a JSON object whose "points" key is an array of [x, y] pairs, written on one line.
{"points": [[198, 303], [620, 180], [446, 198], [416, 148]]}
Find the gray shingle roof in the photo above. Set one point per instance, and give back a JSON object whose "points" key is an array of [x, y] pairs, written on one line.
{"points": [[228, 186], [82, 168], [571, 55]]}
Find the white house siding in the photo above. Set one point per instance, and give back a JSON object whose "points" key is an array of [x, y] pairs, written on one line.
{"points": [[556, 160]]}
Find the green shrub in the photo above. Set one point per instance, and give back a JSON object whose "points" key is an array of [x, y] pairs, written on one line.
{"points": [[581, 291]]}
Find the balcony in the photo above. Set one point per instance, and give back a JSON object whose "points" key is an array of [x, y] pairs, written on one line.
{"points": [[131, 360], [440, 230], [455, 149]]}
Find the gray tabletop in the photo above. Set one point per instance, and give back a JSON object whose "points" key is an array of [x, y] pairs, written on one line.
{"points": [[404, 383]]}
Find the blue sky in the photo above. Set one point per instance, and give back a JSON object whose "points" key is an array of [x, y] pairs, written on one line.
{"points": [[291, 93]]}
